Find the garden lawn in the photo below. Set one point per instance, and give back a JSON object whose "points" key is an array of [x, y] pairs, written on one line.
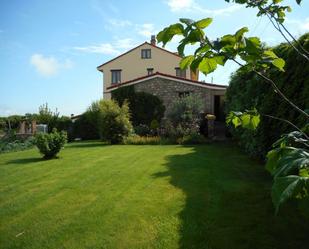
{"points": [[99, 196]]}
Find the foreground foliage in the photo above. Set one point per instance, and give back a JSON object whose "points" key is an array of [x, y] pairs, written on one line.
{"points": [[255, 94]]}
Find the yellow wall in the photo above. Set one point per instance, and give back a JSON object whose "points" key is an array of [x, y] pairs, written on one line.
{"points": [[133, 66]]}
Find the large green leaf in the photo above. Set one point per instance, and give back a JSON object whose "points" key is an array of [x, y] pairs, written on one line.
{"points": [[240, 33], [202, 49], [168, 33], [291, 162], [186, 21], [220, 59], [201, 24], [195, 35], [253, 45], [273, 157], [270, 54], [186, 61], [288, 187], [279, 63], [208, 65], [195, 63]]}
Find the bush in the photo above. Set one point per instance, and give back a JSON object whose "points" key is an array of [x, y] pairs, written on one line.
{"points": [[294, 83], [194, 138], [142, 130], [50, 144], [144, 107], [146, 140], [13, 143], [114, 121], [184, 117]]}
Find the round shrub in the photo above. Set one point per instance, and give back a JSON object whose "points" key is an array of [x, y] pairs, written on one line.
{"points": [[49, 144]]}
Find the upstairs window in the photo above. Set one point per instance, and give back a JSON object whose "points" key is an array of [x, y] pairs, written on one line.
{"points": [[149, 71], [180, 73], [116, 76], [146, 53]]}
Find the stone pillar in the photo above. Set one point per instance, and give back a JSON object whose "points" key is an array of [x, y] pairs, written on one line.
{"points": [[211, 125], [33, 126], [22, 127]]}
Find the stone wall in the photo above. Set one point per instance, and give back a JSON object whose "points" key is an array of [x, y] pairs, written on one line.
{"points": [[168, 91]]}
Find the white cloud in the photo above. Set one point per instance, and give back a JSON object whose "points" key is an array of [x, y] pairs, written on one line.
{"points": [[48, 66], [119, 23], [114, 48], [103, 48], [192, 6], [180, 5], [146, 29], [302, 25]]}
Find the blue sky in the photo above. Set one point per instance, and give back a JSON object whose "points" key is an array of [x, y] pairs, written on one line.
{"points": [[49, 50]]}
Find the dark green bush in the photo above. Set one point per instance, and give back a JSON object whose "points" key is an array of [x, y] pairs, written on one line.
{"points": [[142, 130], [49, 144], [246, 90], [11, 142], [194, 138], [144, 107], [114, 121]]}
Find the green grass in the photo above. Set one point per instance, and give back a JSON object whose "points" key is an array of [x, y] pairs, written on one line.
{"points": [[97, 196]]}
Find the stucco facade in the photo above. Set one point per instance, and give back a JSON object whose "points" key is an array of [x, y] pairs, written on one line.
{"points": [[132, 66]]}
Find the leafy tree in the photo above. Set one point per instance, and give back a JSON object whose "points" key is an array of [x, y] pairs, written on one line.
{"points": [[114, 121], [47, 116], [251, 55]]}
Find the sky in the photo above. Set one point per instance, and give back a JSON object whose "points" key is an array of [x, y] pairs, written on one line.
{"points": [[49, 50]]}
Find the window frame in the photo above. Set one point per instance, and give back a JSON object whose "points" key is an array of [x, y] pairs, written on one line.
{"points": [[117, 80], [146, 53], [181, 73], [149, 71]]}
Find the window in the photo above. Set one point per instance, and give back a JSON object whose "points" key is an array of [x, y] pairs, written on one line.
{"points": [[180, 73], [116, 76], [183, 94], [146, 53], [150, 71]]}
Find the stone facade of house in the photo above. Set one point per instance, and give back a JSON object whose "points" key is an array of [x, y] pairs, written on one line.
{"points": [[169, 90]]}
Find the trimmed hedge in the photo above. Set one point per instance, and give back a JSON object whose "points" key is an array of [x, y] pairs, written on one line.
{"points": [[246, 90], [144, 107]]}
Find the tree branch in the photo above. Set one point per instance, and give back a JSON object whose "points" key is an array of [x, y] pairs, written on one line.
{"points": [[277, 27], [286, 121], [277, 90]]}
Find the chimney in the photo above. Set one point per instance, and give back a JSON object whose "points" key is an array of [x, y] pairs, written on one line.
{"points": [[153, 40]]}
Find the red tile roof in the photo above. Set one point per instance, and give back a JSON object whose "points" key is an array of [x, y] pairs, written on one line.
{"points": [[175, 54], [158, 74]]}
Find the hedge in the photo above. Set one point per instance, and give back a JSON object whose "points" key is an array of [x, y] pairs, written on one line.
{"points": [[246, 90]]}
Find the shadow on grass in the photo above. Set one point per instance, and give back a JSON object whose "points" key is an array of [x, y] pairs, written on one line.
{"points": [[86, 144], [26, 160], [228, 202]]}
